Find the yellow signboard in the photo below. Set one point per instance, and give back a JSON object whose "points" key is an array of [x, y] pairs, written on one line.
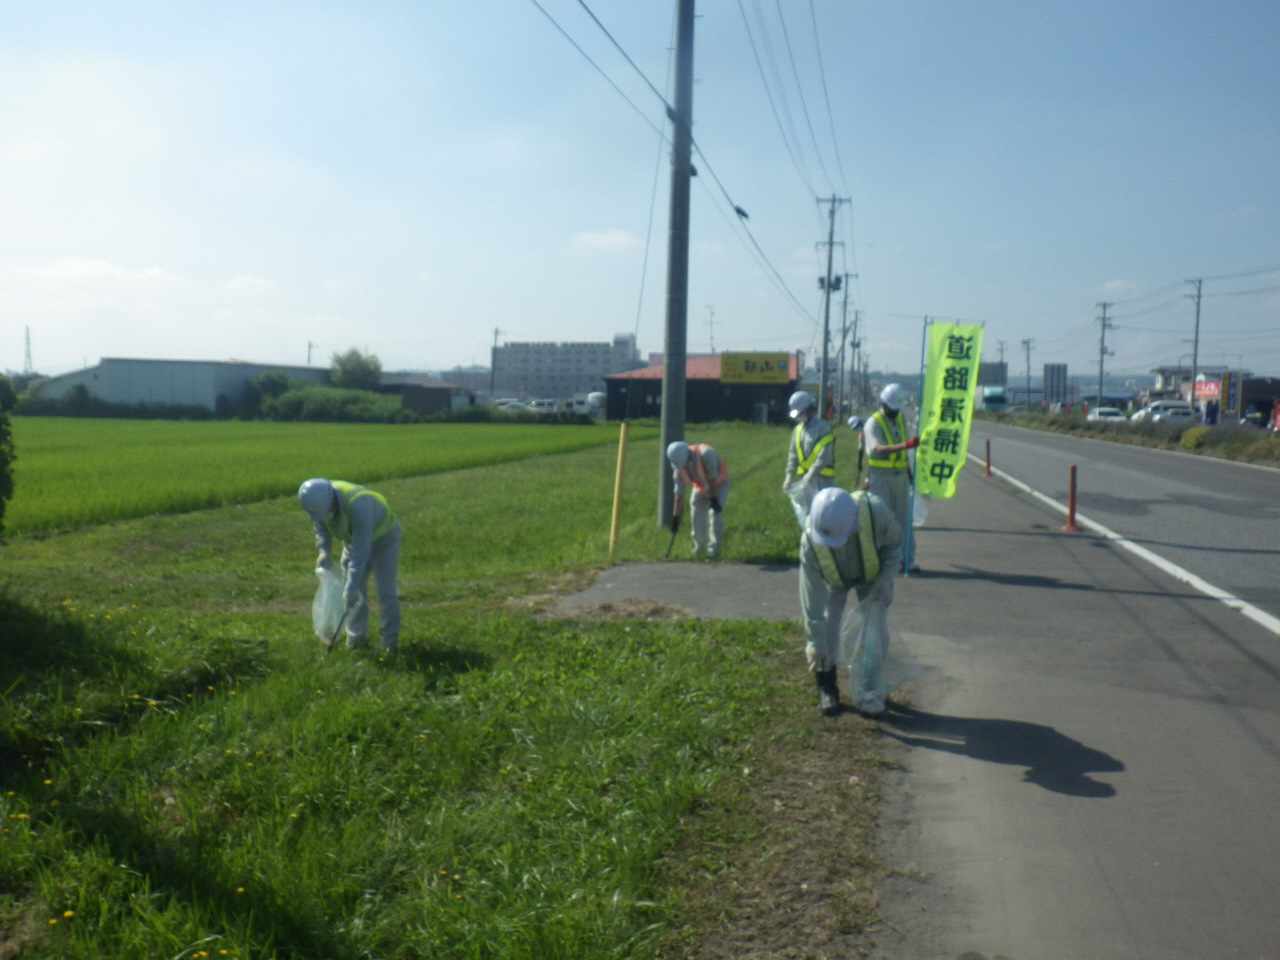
{"points": [[755, 368]]}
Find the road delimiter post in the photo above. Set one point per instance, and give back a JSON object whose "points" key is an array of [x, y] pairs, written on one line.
{"points": [[1071, 503]]}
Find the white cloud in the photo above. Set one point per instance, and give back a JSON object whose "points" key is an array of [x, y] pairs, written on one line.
{"points": [[249, 285], [607, 240]]}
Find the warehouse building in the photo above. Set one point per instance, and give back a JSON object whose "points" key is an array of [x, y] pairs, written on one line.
{"points": [[208, 384]]}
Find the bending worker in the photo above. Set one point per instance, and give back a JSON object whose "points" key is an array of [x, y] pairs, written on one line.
{"points": [[811, 457], [370, 535], [700, 467], [852, 541], [888, 465]]}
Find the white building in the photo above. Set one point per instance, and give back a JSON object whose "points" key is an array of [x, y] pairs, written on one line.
{"points": [[560, 370], [169, 383]]}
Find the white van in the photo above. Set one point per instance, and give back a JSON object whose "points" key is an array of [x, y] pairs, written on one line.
{"points": [[1156, 409]]}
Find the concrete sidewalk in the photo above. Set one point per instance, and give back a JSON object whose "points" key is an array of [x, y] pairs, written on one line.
{"points": [[1089, 762]]}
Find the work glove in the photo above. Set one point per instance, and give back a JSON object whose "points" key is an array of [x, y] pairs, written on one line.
{"points": [[913, 442], [881, 591], [715, 504], [324, 561]]}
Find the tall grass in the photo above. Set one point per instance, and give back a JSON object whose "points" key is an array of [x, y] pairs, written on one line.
{"points": [[183, 773], [72, 472]]}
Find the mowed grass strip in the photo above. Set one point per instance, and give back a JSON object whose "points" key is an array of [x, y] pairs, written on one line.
{"points": [[183, 772], [72, 472]]}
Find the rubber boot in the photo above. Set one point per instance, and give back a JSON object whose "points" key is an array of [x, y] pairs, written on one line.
{"points": [[828, 692]]}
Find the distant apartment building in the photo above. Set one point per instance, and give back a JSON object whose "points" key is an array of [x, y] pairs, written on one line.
{"points": [[560, 370]]}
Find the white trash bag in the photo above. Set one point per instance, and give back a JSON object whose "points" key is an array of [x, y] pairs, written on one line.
{"points": [[919, 509], [865, 651], [801, 495], [327, 609]]}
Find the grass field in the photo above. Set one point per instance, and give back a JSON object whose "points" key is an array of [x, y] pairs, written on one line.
{"points": [[72, 472], [184, 773]]}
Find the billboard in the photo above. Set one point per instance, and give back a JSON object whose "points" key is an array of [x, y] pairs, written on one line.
{"points": [[755, 368], [1055, 383]]}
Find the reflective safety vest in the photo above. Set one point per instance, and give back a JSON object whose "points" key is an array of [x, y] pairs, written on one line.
{"points": [[339, 527], [895, 461], [803, 463], [695, 471], [829, 563]]}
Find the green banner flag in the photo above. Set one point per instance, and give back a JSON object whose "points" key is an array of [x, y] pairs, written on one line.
{"points": [[946, 411]]}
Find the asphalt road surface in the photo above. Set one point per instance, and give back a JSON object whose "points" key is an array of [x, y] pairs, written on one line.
{"points": [[1090, 765]]}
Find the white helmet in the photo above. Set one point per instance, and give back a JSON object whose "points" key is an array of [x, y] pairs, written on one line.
{"points": [[800, 402], [855, 422], [833, 518], [894, 397], [316, 497], [678, 453]]}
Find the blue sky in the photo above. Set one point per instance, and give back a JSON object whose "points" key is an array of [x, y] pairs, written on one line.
{"points": [[243, 179]]}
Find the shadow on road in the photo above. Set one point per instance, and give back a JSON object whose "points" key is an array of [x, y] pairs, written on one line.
{"points": [[1053, 761]]}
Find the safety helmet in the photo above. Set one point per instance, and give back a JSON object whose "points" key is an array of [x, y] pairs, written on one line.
{"points": [[678, 453], [800, 402], [893, 396], [855, 422], [833, 517], [316, 497]]}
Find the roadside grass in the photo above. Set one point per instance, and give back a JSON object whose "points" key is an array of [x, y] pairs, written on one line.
{"points": [[184, 773], [71, 472]]}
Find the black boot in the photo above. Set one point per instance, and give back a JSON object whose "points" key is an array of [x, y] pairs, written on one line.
{"points": [[828, 692]]}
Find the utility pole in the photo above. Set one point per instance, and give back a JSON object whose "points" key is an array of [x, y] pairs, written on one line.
{"points": [[1026, 345], [844, 336], [711, 326], [1195, 345], [827, 284], [855, 377], [28, 369], [1102, 344], [309, 346], [676, 346], [493, 364]]}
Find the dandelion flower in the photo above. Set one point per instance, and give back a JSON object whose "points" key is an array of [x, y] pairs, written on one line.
{"points": [[69, 914]]}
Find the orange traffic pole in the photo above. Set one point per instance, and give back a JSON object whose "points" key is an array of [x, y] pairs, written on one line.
{"points": [[1071, 503]]}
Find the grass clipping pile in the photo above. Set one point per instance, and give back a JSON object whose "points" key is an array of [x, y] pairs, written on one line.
{"points": [[796, 876]]}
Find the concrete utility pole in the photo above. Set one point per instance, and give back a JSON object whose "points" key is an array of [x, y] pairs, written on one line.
{"points": [[827, 284], [1102, 344], [1195, 344], [844, 336], [1026, 345], [27, 367], [676, 346]]}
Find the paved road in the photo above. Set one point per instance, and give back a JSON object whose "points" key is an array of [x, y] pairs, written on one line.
{"points": [[1091, 763]]}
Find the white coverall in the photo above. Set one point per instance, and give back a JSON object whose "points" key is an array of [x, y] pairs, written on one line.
{"points": [[893, 486], [822, 603], [707, 474], [357, 520], [801, 485]]}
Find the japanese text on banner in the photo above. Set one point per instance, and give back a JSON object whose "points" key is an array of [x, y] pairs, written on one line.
{"points": [[951, 380]]}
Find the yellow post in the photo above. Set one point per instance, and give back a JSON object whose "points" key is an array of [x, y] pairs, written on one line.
{"points": [[617, 489]]}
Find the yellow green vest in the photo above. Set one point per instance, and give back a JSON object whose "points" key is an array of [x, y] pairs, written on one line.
{"points": [[895, 461], [339, 527], [803, 463], [829, 564]]}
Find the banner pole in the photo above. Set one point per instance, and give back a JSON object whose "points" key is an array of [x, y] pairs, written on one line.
{"points": [[909, 554]]}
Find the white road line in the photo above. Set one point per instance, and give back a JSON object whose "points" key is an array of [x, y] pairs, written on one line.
{"points": [[1178, 573]]}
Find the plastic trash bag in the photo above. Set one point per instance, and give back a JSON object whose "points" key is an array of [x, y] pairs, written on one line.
{"points": [[875, 671], [919, 509], [327, 608], [801, 494]]}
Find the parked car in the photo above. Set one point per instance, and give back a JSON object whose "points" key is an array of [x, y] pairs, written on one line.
{"points": [[1156, 407], [1107, 414], [1175, 415]]}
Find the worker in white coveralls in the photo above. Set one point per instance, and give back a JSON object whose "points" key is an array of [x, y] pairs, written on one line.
{"points": [[699, 466], [888, 466], [370, 534], [811, 456], [852, 542]]}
